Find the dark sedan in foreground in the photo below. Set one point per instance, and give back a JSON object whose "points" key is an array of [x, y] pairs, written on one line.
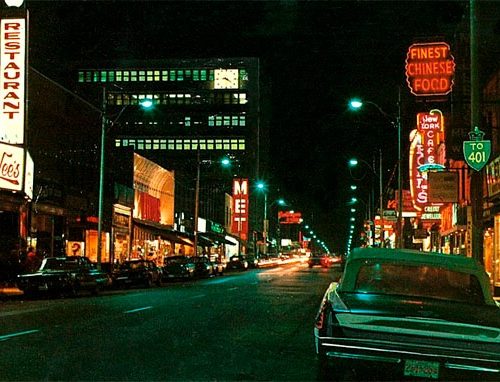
{"points": [[411, 314], [64, 276]]}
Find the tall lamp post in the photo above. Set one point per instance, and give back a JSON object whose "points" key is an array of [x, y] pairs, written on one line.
{"points": [[353, 163], [357, 104], [225, 162], [145, 103], [265, 228]]}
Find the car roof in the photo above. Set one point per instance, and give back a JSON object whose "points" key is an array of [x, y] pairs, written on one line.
{"points": [[414, 256]]}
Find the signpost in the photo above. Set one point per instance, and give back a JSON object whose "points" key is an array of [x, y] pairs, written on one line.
{"points": [[477, 151]]}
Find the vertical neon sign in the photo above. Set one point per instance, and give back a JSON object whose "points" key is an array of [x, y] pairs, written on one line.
{"points": [[425, 141], [240, 207], [12, 80]]}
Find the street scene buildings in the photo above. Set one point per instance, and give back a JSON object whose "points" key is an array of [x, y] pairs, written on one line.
{"points": [[124, 160]]}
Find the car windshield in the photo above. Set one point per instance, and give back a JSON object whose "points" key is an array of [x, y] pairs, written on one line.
{"points": [[175, 260], [419, 281], [55, 264], [134, 265]]}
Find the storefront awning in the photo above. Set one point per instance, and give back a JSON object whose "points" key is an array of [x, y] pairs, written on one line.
{"points": [[216, 238], [164, 232]]}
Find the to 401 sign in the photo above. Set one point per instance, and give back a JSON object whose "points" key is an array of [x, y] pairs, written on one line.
{"points": [[477, 153]]}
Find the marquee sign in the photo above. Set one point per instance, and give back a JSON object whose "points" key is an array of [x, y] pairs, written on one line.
{"points": [[239, 224], [430, 68], [289, 217], [12, 80]]}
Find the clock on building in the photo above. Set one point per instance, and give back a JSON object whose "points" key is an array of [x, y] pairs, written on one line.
{"points": [[226, 79]]}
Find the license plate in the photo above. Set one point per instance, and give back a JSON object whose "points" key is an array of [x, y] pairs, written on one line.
{"points": [[425, 369]]}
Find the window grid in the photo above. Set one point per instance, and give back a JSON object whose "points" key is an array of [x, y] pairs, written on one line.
{"points": [[153, 75], [178, 98], [183, 144]]}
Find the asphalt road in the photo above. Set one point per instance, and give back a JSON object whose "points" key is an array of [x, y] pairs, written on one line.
{"points": [[254, 325]]}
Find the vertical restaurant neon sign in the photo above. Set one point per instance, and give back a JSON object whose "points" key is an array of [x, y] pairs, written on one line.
{"points": [[425, 141], [12, 80], [240, 207]]}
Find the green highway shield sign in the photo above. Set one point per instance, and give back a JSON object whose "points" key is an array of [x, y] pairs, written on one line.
{"points": [[477, 153]]}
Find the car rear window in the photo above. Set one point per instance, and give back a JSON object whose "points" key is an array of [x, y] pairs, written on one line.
{"points": [[419, 281]]}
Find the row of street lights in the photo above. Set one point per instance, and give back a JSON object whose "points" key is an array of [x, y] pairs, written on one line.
{"points": [[356, 104]]}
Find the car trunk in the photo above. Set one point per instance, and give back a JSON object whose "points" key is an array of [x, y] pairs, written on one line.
{"points": [[418, 321]]}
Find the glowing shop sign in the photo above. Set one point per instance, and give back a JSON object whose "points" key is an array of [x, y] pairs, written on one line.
{"points": [[430, 68], [425, 141], [12, 80], [240, 208]]}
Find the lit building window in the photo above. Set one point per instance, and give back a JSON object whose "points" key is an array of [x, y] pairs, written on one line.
{"points": [[164, 75], [183, 144], [142, 75]]}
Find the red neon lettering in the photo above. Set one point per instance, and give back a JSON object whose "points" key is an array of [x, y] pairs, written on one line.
{"points": [[12, 26]]}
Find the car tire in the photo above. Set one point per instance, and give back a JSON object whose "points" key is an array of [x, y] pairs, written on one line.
{"points": [[75, 289]]}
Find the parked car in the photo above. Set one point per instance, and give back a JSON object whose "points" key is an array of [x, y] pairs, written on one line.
{"points": [[218, 265], [253, 262], [64, 276], [203, 267], [178, 267], [137, 272], [237, 262], [413, 314]]}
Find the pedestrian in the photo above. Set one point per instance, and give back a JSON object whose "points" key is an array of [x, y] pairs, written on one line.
{"points": [[32, 261]]}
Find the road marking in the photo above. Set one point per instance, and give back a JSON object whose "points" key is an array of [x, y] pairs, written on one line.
{"points": [[199, 296], [7, 336], [138, 309]]}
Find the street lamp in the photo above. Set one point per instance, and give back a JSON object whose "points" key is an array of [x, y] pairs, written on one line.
{"points": [[356, 104], [145, 103], [265, 229], [354, 163], [225, 162]]}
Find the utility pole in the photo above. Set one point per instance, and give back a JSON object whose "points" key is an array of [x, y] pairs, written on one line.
{"points": [[476, 189]]}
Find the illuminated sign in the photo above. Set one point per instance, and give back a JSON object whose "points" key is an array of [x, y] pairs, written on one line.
{"points": [[240, 208], [289, 217], [11, 167], [29, 176], [12, 80], [430, 68], [425, 141]]}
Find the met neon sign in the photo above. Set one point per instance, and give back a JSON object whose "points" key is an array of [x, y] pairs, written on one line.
{"points": [[239, 222], [430, 68]]}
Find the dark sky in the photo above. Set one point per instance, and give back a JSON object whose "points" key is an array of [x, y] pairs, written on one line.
{"points": [[314, 56]]}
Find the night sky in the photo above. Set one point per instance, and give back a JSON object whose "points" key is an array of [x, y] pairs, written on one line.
{"points": [[314, 56]]}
